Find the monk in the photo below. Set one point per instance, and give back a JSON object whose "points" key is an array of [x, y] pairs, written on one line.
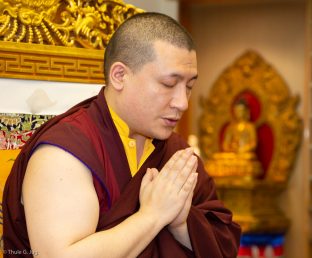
{"points": [[109, 178]]}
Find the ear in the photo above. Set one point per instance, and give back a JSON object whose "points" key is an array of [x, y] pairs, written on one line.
{"points": [[117, 75]]}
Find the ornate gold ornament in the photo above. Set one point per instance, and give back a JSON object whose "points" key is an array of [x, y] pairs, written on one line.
{"points": [[252, 197], [87, 24], [43, 39]]}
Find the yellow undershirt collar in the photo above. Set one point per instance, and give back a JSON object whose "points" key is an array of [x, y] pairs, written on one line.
{"points": [[130, 144]]}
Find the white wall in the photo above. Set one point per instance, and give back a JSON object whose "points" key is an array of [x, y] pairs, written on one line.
{"points": [[169, 7], [42, 97]]}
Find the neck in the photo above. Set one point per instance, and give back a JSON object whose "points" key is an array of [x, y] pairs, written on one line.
{"points": [[140, 139], [109, 98], [140, 142]]}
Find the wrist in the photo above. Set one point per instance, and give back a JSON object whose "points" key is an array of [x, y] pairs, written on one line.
{"points": [[178, 229], [181, 234], [152, 218]]}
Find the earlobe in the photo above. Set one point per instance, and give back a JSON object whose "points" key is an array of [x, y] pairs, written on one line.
{"points": [[117, 75]]}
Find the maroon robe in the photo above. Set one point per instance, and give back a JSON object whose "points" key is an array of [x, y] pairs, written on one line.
{"points": [[87, 131]]}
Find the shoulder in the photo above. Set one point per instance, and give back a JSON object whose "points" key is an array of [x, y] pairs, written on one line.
{"points": [[50, 165], [73, 133], [47, 157]]}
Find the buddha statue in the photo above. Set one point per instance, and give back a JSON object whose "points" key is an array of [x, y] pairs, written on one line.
{"points": [[240, 136], [237, 157]]}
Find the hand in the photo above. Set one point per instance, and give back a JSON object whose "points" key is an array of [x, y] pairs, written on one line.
{"points": [[180, 219], [164, 194]]}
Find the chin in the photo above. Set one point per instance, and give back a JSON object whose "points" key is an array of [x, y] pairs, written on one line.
{"points": [[163, 136]]}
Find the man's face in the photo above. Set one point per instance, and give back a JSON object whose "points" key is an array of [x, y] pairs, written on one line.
{"points": [[158, 94]]}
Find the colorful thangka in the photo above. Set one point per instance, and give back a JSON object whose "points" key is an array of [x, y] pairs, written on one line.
{"points": [[16, 129]]}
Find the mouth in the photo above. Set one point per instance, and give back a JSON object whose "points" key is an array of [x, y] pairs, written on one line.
{"points": [[171, 122]]}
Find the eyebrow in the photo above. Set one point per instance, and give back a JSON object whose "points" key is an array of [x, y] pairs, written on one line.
{"points": [[180, 77], [195, 77]]}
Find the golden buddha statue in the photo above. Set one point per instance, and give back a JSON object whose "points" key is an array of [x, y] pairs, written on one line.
{"points": [[237, 157]]}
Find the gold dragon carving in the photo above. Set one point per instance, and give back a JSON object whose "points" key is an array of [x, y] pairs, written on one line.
{"points": [[78, 23]]}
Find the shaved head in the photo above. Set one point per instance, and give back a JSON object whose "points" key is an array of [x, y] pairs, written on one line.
{"points": [[132, 43]]}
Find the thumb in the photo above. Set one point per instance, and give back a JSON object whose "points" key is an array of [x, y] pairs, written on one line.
{"points": [[147, 178], [154, 173]]}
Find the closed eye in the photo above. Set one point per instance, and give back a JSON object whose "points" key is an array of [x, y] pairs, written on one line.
{"points": [[190, 84], [169, 84]]}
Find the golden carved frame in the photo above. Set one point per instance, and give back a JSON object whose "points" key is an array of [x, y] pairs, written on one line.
{"points": [[58, 40], [250, 72], [254, 202]]}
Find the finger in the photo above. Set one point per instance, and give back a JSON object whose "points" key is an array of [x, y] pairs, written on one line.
{"points": [[189, 199], [154, 173], [171, 162], [180, 163], [184, 172], [189, 185], [194, 185], [195, 182], [196, 165], [184, 153], [148, 177]]}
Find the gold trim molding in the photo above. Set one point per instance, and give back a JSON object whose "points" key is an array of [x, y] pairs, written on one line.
{"points": [[52, 63]]}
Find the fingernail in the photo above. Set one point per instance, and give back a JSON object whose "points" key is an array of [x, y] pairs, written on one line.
{"points": [[190, 150], [194, 158]]}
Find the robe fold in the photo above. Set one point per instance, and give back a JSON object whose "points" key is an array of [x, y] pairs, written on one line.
{"points": [[87, 131]]}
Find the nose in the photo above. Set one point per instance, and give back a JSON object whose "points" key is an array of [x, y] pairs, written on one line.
{"points": [[180, 98]]}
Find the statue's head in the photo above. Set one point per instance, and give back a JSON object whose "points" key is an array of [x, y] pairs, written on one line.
{"points": [[241, 110]]}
